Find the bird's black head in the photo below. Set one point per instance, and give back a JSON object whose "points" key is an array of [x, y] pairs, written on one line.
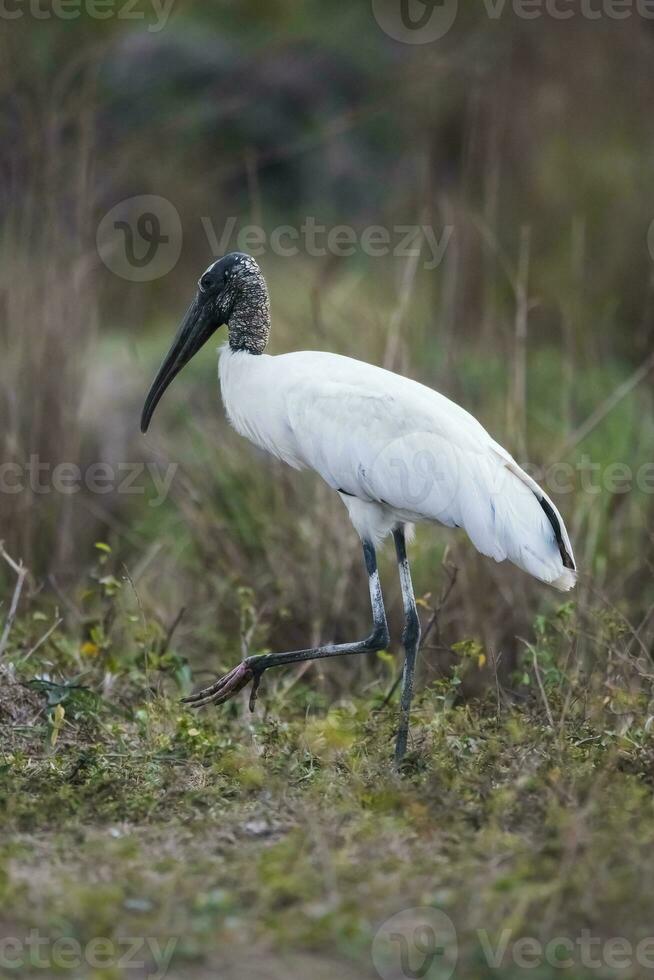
{"points": [[232, 291], [220, 284]]}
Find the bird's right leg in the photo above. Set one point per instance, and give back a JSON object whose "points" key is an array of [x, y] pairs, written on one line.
{"points": [[411, 640], [252, 668]]}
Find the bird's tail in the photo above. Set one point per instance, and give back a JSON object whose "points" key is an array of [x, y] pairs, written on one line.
{"points": [[522, 524]]}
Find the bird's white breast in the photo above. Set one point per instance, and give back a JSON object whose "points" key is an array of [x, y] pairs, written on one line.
{"points": [[254, 394]]}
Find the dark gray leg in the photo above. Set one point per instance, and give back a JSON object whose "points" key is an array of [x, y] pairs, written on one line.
{"points": [[411, 641], [252, 668]]}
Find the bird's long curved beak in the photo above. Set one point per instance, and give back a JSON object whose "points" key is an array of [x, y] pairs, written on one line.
{"points": [[196, 328]]}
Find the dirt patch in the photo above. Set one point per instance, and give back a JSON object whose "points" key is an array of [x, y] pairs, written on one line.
{"points": [[18, 704]]}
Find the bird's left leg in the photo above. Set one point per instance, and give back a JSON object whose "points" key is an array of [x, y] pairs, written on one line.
{"points": [[252, 668], [411, 641]]}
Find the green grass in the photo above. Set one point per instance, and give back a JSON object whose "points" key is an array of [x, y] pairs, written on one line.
{"points": [[285, 839]]}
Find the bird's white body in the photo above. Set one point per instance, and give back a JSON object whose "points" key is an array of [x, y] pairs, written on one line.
{"points": [[396, 451]]}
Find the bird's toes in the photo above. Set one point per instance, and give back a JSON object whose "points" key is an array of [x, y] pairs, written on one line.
{"points": [[207, 692], [223, 689]]}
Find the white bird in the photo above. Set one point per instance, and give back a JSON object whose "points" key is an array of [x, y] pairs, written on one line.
{"points": [[395, 451]]}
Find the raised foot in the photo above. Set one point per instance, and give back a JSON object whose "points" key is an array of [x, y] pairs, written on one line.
{"points": [[228, 686]]}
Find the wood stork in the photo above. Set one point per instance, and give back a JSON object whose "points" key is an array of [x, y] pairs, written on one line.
{"points": [[394, 450]]}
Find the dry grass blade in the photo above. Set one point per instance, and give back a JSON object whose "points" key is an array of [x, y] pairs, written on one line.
{"points": [[46, 636], [606, 407], [518, 408], [21, 574], [404, 299], [541, 687]]}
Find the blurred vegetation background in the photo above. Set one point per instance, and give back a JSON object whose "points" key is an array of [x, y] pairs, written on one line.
{"points": [[276, 844], [531, 140]]}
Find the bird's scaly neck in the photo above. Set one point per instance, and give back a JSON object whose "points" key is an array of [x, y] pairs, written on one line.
{"points": [[249, 322]]}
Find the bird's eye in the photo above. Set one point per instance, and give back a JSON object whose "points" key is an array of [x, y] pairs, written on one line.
{"points": [[206, 282]]}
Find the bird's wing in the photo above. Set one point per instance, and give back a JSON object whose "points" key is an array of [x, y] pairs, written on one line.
{"points": [[358, 439], [424, 456]]}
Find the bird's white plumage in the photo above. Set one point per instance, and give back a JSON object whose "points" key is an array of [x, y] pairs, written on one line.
{"points": [[396, 450]]}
